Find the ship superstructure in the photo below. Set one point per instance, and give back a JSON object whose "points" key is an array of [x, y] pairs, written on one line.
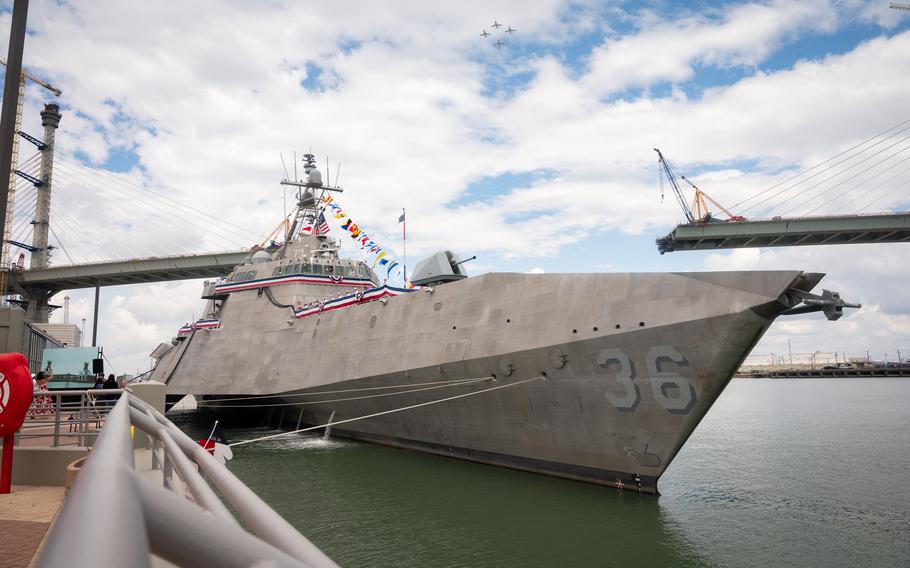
{"points": [[597, 377]]}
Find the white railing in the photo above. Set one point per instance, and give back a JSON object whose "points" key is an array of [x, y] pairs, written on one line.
{"points": [[67, 423], [184, 522]]}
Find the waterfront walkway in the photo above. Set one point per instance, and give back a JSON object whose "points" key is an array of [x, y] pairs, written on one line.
{"points": [[25, 516]]}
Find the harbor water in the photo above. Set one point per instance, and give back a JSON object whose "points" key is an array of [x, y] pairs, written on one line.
{"points": [[787, 472]]}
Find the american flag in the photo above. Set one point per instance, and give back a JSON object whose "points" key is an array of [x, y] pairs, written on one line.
{"points": [[322, 227]]}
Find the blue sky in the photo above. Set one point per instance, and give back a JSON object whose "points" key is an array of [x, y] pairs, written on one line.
{"points": [[533, 156]]}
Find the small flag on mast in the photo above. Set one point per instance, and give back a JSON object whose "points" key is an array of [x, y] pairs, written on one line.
{"points": [[217, 444]]}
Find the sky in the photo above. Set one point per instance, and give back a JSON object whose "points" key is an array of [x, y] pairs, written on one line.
{"points": [[535, 156]]}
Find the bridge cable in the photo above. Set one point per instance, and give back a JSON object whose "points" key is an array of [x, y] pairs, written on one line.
{"points": [[855, 187], [123, 206], [904, 186], [59, 242], [816, 184], [156, 204], [854, 176], [143, 189], [803, 172], [122, 209], [803, 189]]}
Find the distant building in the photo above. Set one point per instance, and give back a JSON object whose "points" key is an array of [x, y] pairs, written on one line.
{"points": [[68, 334]]}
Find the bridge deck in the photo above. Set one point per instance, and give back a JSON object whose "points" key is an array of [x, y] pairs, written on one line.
{"points": [[133, 271], [778, 232]]}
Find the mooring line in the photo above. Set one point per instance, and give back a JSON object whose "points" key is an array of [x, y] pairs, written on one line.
{"points": [[374, 415], [362, 389], [276, 404]]}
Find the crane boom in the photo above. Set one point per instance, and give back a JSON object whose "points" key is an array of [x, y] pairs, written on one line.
{"points": [[698, 212], [690, 217], [34, 79]]}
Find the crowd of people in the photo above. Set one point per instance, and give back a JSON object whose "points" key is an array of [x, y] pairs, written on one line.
{"points": [[43, 404]]}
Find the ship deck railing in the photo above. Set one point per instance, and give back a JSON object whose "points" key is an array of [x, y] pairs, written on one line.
{"points": [[172, 511]]}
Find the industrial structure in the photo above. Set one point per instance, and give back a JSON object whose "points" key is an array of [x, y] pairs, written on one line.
{"points": [[780, 232]]}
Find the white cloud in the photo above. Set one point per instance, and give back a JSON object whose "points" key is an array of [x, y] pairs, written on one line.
{"points": [[207, 101], [669, 50]]}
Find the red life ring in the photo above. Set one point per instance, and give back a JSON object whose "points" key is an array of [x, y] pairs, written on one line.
{"points": [[16, 390]]}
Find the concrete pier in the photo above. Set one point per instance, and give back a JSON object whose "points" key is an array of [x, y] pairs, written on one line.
{"points": [[26, 514]]}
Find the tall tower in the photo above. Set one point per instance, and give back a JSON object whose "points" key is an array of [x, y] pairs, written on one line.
{"points": [[50, 120]]}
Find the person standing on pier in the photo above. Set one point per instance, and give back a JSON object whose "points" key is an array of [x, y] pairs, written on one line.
{"points": [[41, 404], [110, 383]]}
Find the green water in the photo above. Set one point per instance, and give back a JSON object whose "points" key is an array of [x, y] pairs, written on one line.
{"points": [[780, 473]]}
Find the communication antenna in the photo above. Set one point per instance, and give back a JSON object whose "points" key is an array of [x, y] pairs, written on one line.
{"points": [[337, 173], [283, 165]]}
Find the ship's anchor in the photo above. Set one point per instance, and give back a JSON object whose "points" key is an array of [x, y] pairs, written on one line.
{"points": [[829, 302]]}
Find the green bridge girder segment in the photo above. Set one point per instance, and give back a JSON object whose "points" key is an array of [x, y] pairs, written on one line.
{"points": [[778, 232], [133, 271]]}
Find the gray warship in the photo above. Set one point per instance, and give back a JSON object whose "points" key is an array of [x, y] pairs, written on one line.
{"points": [[592, 377]]}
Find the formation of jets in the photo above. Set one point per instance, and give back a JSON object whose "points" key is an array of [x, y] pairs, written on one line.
{"points": [[499, 43]]}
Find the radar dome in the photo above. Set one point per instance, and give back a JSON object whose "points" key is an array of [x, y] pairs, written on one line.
{"points": [[260, 256], [314, 179]]}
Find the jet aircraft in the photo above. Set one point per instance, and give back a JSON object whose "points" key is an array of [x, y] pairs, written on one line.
{"points": [[484, 34], [509, 30], [498, 43], [496, 24]]}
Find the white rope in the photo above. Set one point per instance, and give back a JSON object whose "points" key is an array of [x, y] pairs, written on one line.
{"points": [[362, 389], [468, 382], [337, 422]]}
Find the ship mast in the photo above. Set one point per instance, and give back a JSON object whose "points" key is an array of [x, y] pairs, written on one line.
{"points": [[310, 193]]}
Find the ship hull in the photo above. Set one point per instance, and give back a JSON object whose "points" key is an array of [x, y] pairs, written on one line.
{"points": [[599, 378]]}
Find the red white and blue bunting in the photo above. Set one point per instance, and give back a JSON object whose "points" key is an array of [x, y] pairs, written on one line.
{"points": [[293, 279], [199, 324], [360, 297]]}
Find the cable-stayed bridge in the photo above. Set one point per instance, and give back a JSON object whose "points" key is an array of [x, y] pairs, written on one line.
{"points": [[108, 228], [829, 203]]}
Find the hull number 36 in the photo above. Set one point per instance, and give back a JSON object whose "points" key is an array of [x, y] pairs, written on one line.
{"points": [[668, 388]]}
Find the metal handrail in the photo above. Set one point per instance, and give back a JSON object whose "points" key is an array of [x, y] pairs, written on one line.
{"points": [[92, 407], [198, 531]]}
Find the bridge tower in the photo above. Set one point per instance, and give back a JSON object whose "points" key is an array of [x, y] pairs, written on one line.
{"points": [[37, 310], [50, 120]]}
